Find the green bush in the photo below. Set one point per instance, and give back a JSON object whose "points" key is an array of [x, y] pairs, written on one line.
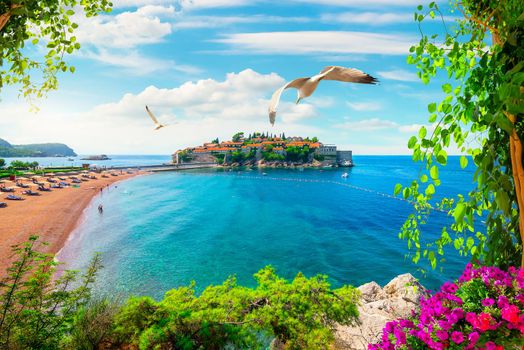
{"points": [[301, 314], [36, 308]]}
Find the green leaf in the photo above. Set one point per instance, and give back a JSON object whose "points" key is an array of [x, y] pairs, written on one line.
{"points": [[442, 157], [430, 190], [412, 142], [463, 162], [503, 201], [433, 172], [447, 88], [470, 242], [459, 212], [432, 259], [398, 188], [422, 132], [424, 178], [432, 107]]}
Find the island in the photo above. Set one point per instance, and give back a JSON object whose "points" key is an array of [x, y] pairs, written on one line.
{"points": [[96, 157], [265, 150], [35, 150]]}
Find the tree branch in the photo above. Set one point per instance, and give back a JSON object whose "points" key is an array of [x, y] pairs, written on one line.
{"points": [[4, 17]]}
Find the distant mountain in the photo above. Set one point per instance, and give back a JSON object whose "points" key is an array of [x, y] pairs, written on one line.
{"points": [[35, 150]]}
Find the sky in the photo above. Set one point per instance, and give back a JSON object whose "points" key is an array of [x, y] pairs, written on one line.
{"points": [[208, 68]]}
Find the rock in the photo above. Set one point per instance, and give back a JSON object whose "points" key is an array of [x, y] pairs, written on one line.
{"points": [[379, 306], [371, 291], [405, 286]]}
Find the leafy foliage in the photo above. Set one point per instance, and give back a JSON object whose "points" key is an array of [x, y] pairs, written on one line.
{"points": [[39, 310], [36, 310], [301, 314], [481, 114], [294, 153], [31, 22], [18, 164]]}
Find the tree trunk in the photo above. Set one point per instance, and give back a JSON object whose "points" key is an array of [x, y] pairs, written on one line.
{"points": [[517, 169], [515, 145], [4, 17]]}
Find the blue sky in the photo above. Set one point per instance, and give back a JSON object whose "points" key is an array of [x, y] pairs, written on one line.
{"points": [[209, 67]]}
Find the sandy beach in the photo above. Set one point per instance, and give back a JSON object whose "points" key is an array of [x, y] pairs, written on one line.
{"points": [[52, 215]]}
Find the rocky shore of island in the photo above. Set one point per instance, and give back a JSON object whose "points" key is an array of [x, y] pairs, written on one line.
{"points": [[397, 299]]}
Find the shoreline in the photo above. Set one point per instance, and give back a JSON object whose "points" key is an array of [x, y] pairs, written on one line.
{"points": [[53, 216]]}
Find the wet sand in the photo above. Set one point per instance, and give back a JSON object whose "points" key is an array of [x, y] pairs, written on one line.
{"points": [[52, 215]]}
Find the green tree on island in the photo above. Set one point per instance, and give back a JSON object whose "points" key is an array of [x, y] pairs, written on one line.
{"points": [[237, 137], [482, 114], [47, 22]]}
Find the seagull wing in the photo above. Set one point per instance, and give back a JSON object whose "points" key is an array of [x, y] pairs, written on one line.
{"points": [[275, 99], [350, 75], [152, 116]]}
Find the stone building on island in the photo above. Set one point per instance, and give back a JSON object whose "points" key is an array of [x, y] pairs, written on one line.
{"points": [[265, 148]]}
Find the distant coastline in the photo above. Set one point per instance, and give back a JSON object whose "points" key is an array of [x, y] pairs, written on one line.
{"points": [[35, 150]]}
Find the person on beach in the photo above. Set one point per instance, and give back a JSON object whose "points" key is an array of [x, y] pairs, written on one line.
{"points": [[100, 208]]}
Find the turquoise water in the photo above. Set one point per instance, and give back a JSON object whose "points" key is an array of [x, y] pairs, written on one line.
{"points": [[161, 231]]}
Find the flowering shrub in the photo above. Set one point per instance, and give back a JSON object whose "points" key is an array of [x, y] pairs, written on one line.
{"points": [[484, 309]]}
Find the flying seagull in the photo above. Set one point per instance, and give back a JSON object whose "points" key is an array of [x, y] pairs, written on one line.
{"points": [[158, 125], [306, 86]]}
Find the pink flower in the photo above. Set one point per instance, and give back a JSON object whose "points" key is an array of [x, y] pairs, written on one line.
{"points": [[490, 345], [457, 337], [511, 314], [473, 338], [442, 335], [484, 321], [488, 302]]}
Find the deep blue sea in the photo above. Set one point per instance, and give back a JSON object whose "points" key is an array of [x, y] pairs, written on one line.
{"points": [[164, 230]]}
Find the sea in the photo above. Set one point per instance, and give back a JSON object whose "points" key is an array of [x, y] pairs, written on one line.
{"points": [[165, 230]]}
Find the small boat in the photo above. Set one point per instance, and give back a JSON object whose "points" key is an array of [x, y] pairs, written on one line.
{"points": [[345, 175], [70, 159], [5, 189], [3, 204], [264, 174], [21, 185]]}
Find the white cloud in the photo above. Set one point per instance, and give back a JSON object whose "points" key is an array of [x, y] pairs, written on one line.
{"points": [[203, 110], [365, 3], [241, 96], [398, 74], [374, 124], [369, 18], [133, 63], [320, 42], [125, 30], [198, 4], [193, 22], [137, 3], [368, 124], [365, 106]]}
